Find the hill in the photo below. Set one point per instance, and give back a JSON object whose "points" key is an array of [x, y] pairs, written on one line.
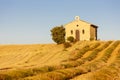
{"points": [[87, 60]]}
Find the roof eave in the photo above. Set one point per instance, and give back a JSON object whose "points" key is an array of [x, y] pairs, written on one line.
{"points": [[94, 26]]}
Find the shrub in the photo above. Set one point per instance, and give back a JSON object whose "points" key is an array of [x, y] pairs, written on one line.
{"points": [[71, 39], [20, 74], [67, 44], [55, 76], [91, 39], [5, 77]]}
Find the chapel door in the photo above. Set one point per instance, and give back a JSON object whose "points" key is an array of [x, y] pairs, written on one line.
{"points": [[77, 35]]}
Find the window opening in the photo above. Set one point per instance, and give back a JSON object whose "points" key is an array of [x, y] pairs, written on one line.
{"points": [[83, 31], [71, 31]]}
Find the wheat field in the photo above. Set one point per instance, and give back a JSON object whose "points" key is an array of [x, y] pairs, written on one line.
{"points": [[84, 60]]}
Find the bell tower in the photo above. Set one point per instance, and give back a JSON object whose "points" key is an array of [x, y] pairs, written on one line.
{"points": [[77, 18]]}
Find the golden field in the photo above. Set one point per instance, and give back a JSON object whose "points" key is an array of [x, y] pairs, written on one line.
{"points": [[85, 60]]}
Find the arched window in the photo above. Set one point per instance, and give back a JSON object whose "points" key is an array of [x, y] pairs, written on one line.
{"points": [[71, 32], [83, 31]]}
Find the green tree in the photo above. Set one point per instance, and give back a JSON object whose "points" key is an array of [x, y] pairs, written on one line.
{"points": [[58, 34]]}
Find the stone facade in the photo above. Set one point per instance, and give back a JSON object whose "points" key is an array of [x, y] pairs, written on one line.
{"points": [[81, 30]]}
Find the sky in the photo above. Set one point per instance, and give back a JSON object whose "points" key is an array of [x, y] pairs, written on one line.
{"points": [[30, 21]]}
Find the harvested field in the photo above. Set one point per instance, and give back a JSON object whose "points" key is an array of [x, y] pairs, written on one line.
{"points": [[85, 60]]}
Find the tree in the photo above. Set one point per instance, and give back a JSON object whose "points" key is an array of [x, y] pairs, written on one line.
{"points": [[58, 34]]}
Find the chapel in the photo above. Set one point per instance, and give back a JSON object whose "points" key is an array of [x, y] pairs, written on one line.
{"points": [[81, 30]]}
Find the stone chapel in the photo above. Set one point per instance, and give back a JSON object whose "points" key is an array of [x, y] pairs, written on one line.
{"points": [[81, 30]]}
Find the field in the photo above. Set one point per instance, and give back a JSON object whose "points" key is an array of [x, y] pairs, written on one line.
{"points": [[85, 60]]}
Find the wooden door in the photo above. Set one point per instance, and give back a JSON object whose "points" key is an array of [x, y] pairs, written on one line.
{"points": [[77, 35]]}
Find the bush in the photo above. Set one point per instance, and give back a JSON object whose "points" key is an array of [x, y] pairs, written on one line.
{"points": [[91, 39], [55, 76], [71, 39], [20, 74], [5, 77], [67, 44], [42, 69]]}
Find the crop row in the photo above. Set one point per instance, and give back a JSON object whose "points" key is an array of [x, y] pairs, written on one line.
{"points": [[111, 72], [83, 51], [89, 58], [96, 51], [108, 52]]}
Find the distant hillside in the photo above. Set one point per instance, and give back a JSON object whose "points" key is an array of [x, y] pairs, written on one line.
{"points": [[85, 60]]}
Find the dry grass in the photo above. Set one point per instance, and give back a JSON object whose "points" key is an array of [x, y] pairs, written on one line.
{"points": [[94, 60]]}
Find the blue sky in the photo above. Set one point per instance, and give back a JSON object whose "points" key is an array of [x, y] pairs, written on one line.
{"points": [[30, 21]]}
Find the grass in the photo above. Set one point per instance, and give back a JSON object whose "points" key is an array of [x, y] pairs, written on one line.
{"points": [[52, 62]]}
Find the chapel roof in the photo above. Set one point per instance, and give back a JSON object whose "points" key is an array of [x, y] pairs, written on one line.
{"points": [[77, 18]]}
